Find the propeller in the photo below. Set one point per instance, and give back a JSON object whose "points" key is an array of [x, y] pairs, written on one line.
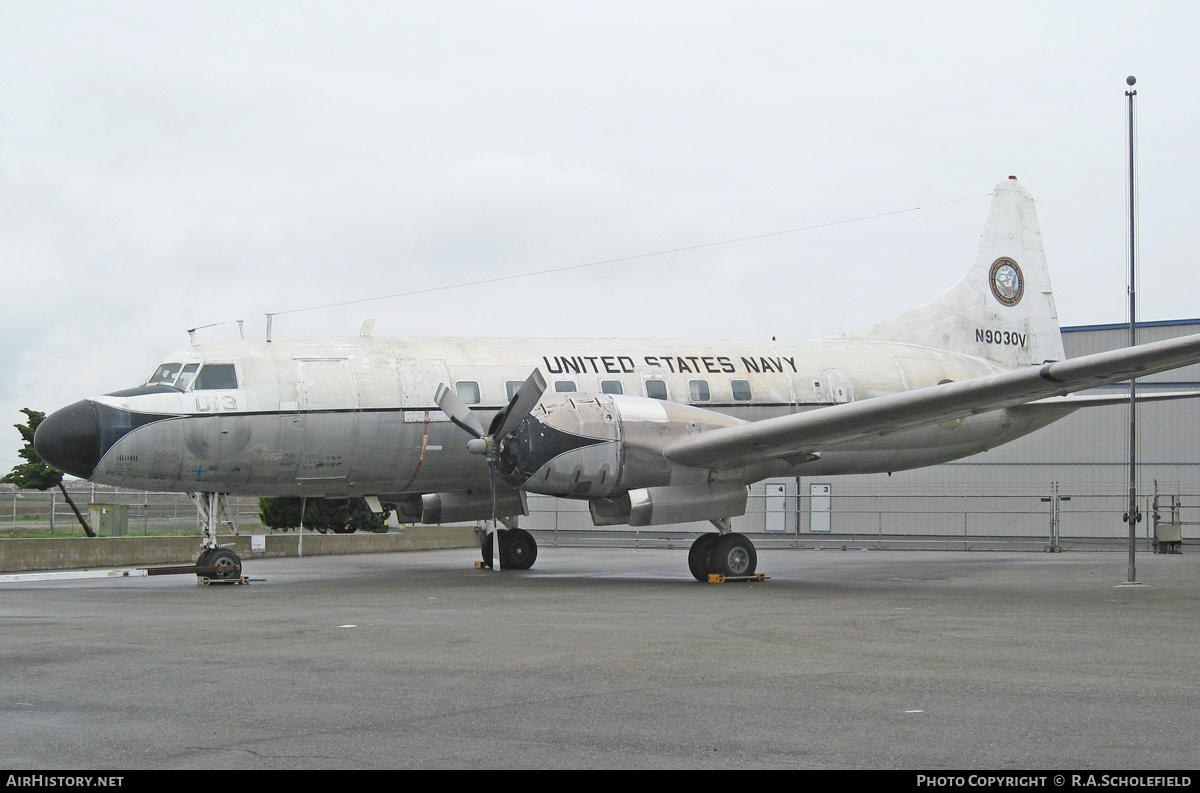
{"points": [[505, 422]]}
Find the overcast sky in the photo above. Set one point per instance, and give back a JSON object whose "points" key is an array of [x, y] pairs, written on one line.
{"points": [[167, 165]]}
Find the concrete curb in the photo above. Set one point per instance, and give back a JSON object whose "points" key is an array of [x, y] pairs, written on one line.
{"points": [[66, 553]]}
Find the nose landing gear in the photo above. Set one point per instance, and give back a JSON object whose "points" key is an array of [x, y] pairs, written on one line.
{"points": [[215, 563], [219, 564]]}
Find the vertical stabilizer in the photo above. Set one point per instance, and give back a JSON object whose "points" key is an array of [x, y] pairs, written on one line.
{"points": [[1003, 310]]}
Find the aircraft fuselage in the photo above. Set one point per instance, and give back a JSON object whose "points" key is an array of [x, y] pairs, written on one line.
{"points": [[356, 415]]}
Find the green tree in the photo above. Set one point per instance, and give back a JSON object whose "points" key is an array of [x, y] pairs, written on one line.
{"points": [[279, 514], [34, 474], [339, 515]]}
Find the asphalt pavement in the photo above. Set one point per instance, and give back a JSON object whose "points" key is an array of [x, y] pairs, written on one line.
{"points": [[612, 658]]}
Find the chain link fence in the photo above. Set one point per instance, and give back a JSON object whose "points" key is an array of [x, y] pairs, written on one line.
{"points": [[1051, 518], [33, 511]]}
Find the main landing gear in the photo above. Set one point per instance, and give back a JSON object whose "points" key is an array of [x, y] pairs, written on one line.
{"points": [[728, 554], [518, 549]]}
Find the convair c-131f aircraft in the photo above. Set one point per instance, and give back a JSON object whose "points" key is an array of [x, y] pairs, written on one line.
{"points": [[648, 432]]}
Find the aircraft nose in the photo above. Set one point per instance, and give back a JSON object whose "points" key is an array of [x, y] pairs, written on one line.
{"points": [[69, 439]]}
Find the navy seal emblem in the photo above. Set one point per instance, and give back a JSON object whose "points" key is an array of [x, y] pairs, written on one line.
{"points": [[1007, 282]]}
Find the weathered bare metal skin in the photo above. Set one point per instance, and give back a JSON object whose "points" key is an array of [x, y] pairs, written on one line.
{"points": [[631, 433], [356, 416]]}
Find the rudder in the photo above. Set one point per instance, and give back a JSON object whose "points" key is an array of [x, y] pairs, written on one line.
{"points": [[1003, 309]]}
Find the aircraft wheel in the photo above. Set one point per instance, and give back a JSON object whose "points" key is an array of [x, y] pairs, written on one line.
{"points": [[518, 549], [227, 563], [486, 548], [698, 555], [733, 555]]}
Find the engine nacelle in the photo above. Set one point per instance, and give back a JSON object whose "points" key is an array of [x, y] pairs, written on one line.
{"points": [[656, 506], [467, 505], [597, 445]]}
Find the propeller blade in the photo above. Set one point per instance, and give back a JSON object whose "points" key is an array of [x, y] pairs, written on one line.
{"points": [[522, 402], [457, 410]]}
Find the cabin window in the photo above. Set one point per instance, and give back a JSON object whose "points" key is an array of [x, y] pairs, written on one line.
{"points": [[165, 374], [512, 387], [186, 376], [741, 390], [656, 389], [468, 391], [698, 390], [611, 387], [216, 376], [564, 386]]}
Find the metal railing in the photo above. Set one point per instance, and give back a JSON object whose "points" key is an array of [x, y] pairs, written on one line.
{"points": [[1050, 520], [148, 513], [1054, 516]]}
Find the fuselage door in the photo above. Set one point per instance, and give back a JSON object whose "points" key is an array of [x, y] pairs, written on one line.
{"points": [[325, 384], [328, 419]]}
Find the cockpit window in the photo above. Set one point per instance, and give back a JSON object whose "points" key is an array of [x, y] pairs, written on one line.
{"points": [[206, 377], [185, 377], [214, 376], [165, 374]]}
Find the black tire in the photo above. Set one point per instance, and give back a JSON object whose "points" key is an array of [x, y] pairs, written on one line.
{"points": [[518, 550], [202, 559], [698, 555], [486, 548], [732, 556], [227, 563]]}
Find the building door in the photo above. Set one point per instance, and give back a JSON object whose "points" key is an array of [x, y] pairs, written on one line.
{"points": [[820, 502], [775, 507]]}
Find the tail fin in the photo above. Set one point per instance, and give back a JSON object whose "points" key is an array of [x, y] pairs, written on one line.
{"points": [[1003, 310]]}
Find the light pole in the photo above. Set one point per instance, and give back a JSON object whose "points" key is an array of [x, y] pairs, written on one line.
{"points": [[1133, 516]]}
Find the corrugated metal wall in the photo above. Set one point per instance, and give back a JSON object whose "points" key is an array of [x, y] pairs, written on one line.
{"points": [[1086, 456]]}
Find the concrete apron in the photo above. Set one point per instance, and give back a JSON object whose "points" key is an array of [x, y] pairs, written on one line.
{"points": [[66, 553]]}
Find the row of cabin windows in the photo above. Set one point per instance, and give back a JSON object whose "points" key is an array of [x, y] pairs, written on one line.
{"points": [[698, 390]]}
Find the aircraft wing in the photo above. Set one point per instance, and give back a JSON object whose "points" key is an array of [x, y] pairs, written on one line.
{"points": [[1076, 401], [814, 430]]}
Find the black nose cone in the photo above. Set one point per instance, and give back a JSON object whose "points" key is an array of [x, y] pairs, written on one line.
{"points": [[69, 439]]}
